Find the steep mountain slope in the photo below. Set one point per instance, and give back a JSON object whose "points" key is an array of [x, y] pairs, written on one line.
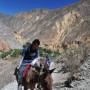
{"points": [[54, 28], [7, 39]]}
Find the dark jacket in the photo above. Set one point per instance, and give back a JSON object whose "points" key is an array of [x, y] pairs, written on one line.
{"points": [[30, 54]]}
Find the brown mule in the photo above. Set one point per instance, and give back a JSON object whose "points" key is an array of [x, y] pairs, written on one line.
{"points": [[31, 79], [46, 80], [34, 77]]}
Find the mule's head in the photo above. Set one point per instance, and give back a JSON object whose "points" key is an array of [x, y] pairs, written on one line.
{"points": [[46, 79]]}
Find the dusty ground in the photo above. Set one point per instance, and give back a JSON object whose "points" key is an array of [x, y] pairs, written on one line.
{"points": [[6, 76], [6, 71]]}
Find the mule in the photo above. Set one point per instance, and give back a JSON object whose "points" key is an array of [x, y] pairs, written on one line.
{"points": [[31, 79], [44, 81], [35, 77]]}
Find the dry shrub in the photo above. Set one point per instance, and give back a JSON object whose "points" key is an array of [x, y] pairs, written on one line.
{"points": [[73, 57]]}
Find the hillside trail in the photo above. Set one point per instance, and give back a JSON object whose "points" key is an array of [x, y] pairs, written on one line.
{"points": [[60, 77]]}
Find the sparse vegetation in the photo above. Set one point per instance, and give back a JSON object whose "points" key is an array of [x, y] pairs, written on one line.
{"points": [[16, 53], [11, 53], [4, 54], [73, 58], [44, 52], [70, 8]]}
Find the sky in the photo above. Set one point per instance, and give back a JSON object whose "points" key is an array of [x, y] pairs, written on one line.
{"points": [[12, 7]]}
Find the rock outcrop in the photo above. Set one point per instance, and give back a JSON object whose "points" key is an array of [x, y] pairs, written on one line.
{"points": [[54, 28]]}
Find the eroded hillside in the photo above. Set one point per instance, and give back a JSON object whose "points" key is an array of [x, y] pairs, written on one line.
{"points": [[54, 28]]}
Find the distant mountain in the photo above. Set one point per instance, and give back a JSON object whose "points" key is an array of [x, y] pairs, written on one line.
{"points": [[54, 28], [7, 38]]}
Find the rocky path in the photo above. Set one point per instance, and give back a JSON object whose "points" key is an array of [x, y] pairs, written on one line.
{"points": [[83, 84], [59, 78], [6, 71]]}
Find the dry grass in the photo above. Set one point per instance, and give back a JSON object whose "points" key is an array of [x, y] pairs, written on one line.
{"points": [[73, 57]]}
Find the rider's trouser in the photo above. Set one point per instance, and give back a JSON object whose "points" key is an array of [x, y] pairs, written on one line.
{"points": [[20, 73]]}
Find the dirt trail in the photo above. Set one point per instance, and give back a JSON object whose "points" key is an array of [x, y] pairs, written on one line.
{"points": [[6, 71]]}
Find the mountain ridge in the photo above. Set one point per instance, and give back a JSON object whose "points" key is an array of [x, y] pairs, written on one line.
{"points": [[54, 28]]}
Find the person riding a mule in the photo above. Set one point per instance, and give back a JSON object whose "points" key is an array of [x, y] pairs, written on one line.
{"points": [[31, 53], [25, 75]]}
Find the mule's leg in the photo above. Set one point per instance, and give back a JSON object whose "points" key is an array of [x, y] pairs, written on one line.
{"points": [[31, 86], [25, 88], [20, 87], [49, 81]]}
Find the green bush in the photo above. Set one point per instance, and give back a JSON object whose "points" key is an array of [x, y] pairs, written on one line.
{"points": [[4, 54], [12, 53], [44, 52], [16, 53]]}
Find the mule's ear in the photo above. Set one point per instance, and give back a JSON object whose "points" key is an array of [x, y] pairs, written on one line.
{"points": [[51, 71]]}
